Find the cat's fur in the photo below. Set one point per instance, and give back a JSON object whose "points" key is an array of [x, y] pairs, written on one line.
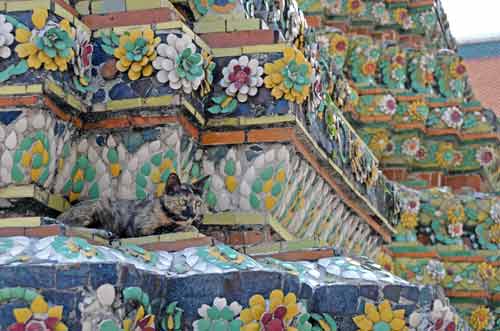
{"points": [[180, 208]]}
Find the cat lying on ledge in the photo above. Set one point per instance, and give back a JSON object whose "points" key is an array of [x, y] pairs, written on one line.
{"points": [[180, 208]]}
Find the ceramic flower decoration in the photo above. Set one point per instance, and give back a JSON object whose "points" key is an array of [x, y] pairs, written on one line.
{"points": [[275, 314], [441, 318], [49, 44], [457, 69], [136, 52], [456, 214], [38, 317], [388, 105], [83, 57], [289, 77], [179, 64], [381, 318], [481, 318], [485, 155], [456, 230], [219, 316], [486, 271], [379, 142], [453, 117], [447, 156], [411, 146], [242, 78], [402, 17], [6, 37], [142, 322], [409, 220], [355, 7], [412, 205]]}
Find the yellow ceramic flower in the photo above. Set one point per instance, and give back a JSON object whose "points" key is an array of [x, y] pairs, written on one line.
{"points": [[354, 7], [37, 159], [480, 318], [260, 313], [38, 315], [486, 271], [409, 220], [457, 69], [49, 45], [385, 260], [445, 155], [456, 214], [369, 68], [494, 234], [289, 77], [383, 318], [379, 142], [401, 16], [338, 44], [136, 53]]}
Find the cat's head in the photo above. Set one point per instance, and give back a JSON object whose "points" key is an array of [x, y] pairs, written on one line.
{"points": [[184, 202]]}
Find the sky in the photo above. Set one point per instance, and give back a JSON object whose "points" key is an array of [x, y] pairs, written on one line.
{"points": [[472, 20]]}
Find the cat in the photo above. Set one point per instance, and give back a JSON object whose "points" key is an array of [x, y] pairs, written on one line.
{"points": [[180, 208]]}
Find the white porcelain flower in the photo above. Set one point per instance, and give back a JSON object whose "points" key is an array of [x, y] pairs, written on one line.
{"points": [[388, 105], [485, 155], [242, 78], [412, 205], [179, 64], [6, 37], [453, 117], [411, 146]]}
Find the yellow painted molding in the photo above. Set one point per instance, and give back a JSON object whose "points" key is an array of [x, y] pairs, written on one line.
{"points": [[234, 219], [25, 222], [168, 237], [17, 191], [280, 229], [199, 117], [246, 121], [26, 5], [54, 201]]}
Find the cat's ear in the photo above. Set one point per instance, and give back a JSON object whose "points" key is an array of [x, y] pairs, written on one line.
{"points": [[200, 184], [173, 184]]}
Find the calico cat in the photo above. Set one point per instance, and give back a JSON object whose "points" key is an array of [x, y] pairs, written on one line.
{"points": [[181, 207]]}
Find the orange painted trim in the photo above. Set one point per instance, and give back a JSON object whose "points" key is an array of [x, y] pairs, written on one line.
{"points": [[270, 135], [61, 114], [136, 17], [223, 138], [372, 91], [18, 101], [409, 126], [421, 3], [189, 127], [495, 297], [416, 255], [477, 136], [354, 206], [471, 259], [467, 294], [442, 132]]}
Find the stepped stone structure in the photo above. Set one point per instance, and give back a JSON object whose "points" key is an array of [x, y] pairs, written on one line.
{"points": [[353, 176]]}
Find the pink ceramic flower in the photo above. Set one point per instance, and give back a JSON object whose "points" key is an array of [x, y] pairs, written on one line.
{"points": [[242, 78]]}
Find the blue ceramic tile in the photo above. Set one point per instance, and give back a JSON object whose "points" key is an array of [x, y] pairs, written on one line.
{"points": [[7, 117], [104, 273], [70, 276]]}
